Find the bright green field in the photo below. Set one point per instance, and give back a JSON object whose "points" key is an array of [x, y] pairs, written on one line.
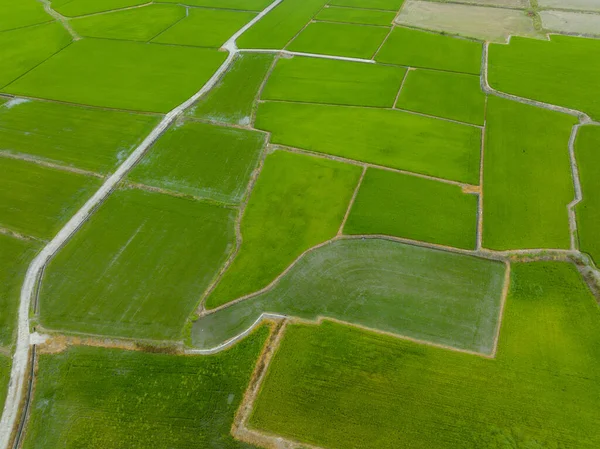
{"points": [[298, 202], [391, 138], [587, 150], [108, 398], [233, 97], [316, 80], [38, 201], [361, 16], [90, 139], [246, 5], [137, 268], [527, 180], [339, 387], [340, 39], [205, 27], [15, 256], [560, 72], [424, 49], [279, 26], [22, 13], [436, 93], [431, 295], [73, 8], [139, 24], [5, 363], [392, 5], [415, 208], [120, 74], [202, 160], [23, 49]]}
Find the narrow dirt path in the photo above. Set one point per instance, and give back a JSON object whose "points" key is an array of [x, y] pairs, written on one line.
{"points": [[61, 19]]}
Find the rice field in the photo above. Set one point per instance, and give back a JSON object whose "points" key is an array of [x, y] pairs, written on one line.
{"points": [[202, 160], [393, 139], [415, 208], [245, 5], [391, 5], [5, 364], [298, 201], [20, 14], [137, 268], [527, 179], [541, 390], [354, 15], [314, 80], [426, 294], [73, 8], [114, 398]]}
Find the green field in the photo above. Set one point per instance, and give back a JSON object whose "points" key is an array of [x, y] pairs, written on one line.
{"points": [[23, 49], [527, 180], [202, 160], [435, 93], [431, 295], [38, 201], [5, 363], [316, 80], [560, 72], [424, 49], [205, 27], [90, 139], [108, 398], [360, 16], [391, 138], [139, 24], [72, 8], [391, 5], [21, 14], [15, 256], [232, 99], [121, 74], [245, 5], [414, 208], [340, 387], [279, 26], [137, 268], [587, 150], [340, 39], [298, 202]]}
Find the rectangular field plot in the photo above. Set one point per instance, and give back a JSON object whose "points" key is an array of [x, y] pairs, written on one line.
{"points": [[120, 74], [244, 5], [390, 138], [316, 80], [15, 256], [338, 387], [280, 25], [559, 72], [90, 139], [101, 398], [23, 49], [435, 93], [38, 201], [137, 268], [437, 296], [298, 201], [340, 39], [360, 16], [232, 99], [205, 27], [424, 49], [72, 8], [527, 180], [587, 150], [203, 160], [391, 5], [138, 24], [21, 14], [414, 208]]}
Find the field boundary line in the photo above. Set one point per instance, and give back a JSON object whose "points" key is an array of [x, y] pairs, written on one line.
{"points": [[19, 236], [311, 20], [408, 69], [61, 19], [32, 277], [391, 28], [109, 11], [504, 295], [28, 26], [45, 163], [479, 244], [261, 88], [578, 195], [351, 203], [368, 165], [175, 194], [167, 28]]}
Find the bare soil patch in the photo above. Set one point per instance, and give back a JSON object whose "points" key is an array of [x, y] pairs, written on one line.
{"points": [[571, 22]]}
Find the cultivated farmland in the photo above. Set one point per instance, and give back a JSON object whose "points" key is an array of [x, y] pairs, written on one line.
{"points": [[361, 16]]}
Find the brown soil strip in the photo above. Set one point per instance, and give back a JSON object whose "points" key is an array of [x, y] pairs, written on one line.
{"points": [[262, 88], [408, 69], [17, 235], [351, 203], [135, 185], [44, 163], [479, 244], [505, 289]]}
